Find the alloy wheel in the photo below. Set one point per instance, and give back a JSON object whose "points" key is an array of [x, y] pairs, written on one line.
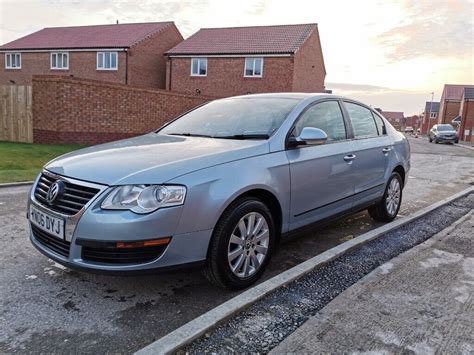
{"points": [[248, 245], [393, 197]]}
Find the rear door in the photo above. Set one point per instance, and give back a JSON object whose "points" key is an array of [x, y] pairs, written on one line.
{"points": [[372, 150], [321, 184]]}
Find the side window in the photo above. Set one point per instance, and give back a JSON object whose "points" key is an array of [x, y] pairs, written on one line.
{"points": [[380, 125], [362, 120], [326, 116]]}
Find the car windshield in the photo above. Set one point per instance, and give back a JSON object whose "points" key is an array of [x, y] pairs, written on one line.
{"points": [[236, 118], [446, 127]]}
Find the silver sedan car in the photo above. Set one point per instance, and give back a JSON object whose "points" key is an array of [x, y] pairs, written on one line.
{"points": [[219, 186], [443, 133]]}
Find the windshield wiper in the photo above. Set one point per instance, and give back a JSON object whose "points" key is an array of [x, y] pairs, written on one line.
{"points": [[245, 136], [190, 135]]}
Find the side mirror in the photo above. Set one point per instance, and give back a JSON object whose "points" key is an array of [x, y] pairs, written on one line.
{"points": [[309, 136]]}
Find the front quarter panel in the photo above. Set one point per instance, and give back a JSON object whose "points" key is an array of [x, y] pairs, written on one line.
{"points": [[210, 191]]}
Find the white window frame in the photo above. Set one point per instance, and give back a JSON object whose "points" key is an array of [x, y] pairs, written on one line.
{"points": [[12, 55], [433, 114], [199, 59], [253, 59], [103, 53], [59, 54]]}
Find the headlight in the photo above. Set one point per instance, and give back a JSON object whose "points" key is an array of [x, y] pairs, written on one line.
{"points": [[143, 198]]}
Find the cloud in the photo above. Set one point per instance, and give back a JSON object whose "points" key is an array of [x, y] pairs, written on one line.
{"points": [[408, 101], [439, 29], [346, 87]]}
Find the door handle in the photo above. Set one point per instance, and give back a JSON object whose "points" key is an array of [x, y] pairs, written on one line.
{"points": [[386, 150], [350, 157]]}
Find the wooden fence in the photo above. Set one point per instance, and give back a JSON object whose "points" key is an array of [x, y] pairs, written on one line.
{"points": [[16, 119]]}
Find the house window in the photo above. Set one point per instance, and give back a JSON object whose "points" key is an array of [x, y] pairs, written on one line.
{"points": [[107, 61], [198, 66], [60, 61], [13, 60], [253, 67], [433, 114]]}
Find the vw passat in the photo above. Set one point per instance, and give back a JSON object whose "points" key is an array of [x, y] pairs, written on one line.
{"points": [[219, 186]]}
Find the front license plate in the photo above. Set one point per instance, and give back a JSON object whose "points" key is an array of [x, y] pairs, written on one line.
{"points": [[47, 222]]}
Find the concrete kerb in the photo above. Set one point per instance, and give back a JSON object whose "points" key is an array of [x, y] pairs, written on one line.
{"points": [[465, 146], [15, 184], [200, 325]]}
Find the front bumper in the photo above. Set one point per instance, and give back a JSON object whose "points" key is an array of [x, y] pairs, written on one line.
{"points": [[446, 139], [92, 225]]}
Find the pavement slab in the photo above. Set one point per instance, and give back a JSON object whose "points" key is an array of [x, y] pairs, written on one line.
{"points": [[421, 301]]}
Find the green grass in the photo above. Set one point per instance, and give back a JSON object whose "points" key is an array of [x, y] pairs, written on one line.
{"points": [[23, 161]]}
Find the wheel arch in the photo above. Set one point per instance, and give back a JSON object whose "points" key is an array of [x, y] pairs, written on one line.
{"points": [[268, 198], [401, 171]]}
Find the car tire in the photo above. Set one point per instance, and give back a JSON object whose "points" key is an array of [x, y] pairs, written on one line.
{"points": [[436, 140], [237, 265], [456, 141], [387, 209]]}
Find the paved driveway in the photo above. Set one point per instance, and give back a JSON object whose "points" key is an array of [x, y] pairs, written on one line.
{"points": [[46, 307]]}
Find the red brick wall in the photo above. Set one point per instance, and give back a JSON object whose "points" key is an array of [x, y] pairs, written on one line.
{"points": [[467, 121], [147, 64], [225, 76], [449, 111], [68, 110], [309, 70], [81, 64], [428, 123]]}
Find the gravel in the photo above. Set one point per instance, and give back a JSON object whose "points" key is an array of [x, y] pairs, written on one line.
{"points": [[265, 324]]}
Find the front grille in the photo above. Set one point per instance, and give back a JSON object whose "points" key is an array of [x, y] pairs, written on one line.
{"points": [[51, 242], [111, 255], [74, 198]]}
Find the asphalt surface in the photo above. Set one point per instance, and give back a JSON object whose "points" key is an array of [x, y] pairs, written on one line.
{"points": [[419, 302], [266, 323], [45, 307]]}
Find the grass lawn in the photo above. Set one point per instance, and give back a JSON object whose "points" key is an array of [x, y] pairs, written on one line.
{"points": [[23, 161]]}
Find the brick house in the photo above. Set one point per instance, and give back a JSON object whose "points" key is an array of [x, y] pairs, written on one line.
{"points": [[397, 119], [233, 61], [450, 104], [430, 115], [467, 115], [122, 53]]}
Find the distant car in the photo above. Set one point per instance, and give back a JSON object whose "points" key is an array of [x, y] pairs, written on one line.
{"points": [[443, 133], [408, 129], [219, 186]]}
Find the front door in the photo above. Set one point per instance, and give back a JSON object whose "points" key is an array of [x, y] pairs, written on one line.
{"points": [[321, 183]]}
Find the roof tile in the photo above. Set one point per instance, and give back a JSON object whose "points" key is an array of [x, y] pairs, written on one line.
{"points": [[245, 40], [100, 36]]}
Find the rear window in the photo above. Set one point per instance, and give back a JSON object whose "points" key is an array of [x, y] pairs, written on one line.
{"points": [[362, 120]]}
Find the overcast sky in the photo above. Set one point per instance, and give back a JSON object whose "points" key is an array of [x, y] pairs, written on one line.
{"points": [[390, 54]]}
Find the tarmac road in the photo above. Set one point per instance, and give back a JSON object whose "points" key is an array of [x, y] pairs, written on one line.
{"points": [[45, 307]]}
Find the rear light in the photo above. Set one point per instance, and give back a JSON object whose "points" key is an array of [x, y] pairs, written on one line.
{"points": [[142, 244]]}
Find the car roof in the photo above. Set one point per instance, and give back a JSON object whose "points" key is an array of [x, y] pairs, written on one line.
{"points": [[291, 95]]}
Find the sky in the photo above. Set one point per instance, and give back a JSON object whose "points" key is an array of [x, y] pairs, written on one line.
{"points": [[388, 54]]}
